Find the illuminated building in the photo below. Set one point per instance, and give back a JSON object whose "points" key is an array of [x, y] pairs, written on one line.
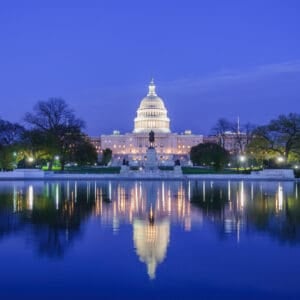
{"points": [[234, 142], [151, 115]]}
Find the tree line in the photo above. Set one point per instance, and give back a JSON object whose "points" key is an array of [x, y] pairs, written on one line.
{"points": [[51, 134], [274, 144]]}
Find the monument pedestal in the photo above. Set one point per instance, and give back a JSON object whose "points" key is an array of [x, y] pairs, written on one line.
{"points": [[124, 169], [151, 160], [177, 170]]}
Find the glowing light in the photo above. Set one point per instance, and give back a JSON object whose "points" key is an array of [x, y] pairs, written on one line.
{"points": [[280, 159], [15, 194], [242, 158], [242, 195], [30, 197], [30, 159], [109, 191], [56, 197], [280, 197]]}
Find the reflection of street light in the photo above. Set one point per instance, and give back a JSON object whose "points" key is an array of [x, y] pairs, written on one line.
{"points": [[56, 157]]}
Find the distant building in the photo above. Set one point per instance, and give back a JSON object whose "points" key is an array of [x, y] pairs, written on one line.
{"points": [[151, 115], [234, 142], [96, 141]]}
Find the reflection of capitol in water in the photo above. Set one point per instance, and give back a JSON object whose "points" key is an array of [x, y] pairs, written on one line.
{"points": [[150, 207], [232, 208], [151, 241], [129, 201]]}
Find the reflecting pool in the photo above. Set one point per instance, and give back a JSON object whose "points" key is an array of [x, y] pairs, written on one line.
{"points": [[149, 240]]}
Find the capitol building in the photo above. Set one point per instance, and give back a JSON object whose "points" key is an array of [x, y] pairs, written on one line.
{"points": [[152, 115]]}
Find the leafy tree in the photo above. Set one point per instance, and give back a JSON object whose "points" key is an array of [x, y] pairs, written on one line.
{"points": [[57, 126], [10, 139], [106, 156], [6, 159], [210, 154], [38, 145], [85, 152], [280, 137]]}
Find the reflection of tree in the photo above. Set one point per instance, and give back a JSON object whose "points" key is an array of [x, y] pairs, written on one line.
{"points": [[282, 224], [53, 220], [52, 214], [211, 199], [55, 229], [292, 226], [260, 211], [270, 210]]}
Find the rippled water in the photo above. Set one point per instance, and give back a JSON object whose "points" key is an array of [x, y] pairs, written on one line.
{"points": [[149, 240]]}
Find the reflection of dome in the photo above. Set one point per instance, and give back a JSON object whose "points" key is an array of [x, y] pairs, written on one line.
{"points": [[152, 114], [151, 242]]}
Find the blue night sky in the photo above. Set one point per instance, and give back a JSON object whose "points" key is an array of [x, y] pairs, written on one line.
{"points": [[209, 59]]}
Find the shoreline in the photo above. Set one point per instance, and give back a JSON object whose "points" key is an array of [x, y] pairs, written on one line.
{"points": [[146, 177]]}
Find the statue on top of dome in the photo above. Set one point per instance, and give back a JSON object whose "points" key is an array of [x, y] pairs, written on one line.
{"points": [[152, 88]]}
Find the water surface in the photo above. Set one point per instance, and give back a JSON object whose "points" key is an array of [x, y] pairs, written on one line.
{"points": [[149, 240]]}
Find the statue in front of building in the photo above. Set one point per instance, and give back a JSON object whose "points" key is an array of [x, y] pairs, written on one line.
{"points": [[151, 139]]}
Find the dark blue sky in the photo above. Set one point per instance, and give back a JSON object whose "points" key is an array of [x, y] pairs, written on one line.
{"points": [[209, 59]]}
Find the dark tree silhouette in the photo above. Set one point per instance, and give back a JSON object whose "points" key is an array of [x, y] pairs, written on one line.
{"points": [[57, 124], [210, 154]]}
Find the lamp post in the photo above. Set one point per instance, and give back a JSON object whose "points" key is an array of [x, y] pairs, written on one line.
{"points": [[280, 160], [15, 159], [30, 161], [242, 159]]}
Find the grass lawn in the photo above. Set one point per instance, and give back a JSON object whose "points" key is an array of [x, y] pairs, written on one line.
{"points": [[89, 170], [195, 170]]}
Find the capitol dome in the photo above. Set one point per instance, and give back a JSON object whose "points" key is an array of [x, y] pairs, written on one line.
{"points": [[152, 114]]}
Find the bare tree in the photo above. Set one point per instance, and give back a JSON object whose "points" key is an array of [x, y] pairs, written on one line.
{"points": [[10, 133], [220, 129], [57, 125]]}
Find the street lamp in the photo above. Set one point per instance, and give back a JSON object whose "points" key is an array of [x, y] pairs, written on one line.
{"points": [[30, 159], [242, 158], [280, 159]]}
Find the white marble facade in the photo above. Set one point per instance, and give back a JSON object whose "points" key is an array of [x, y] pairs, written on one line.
{"points": [[151, 115]]}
